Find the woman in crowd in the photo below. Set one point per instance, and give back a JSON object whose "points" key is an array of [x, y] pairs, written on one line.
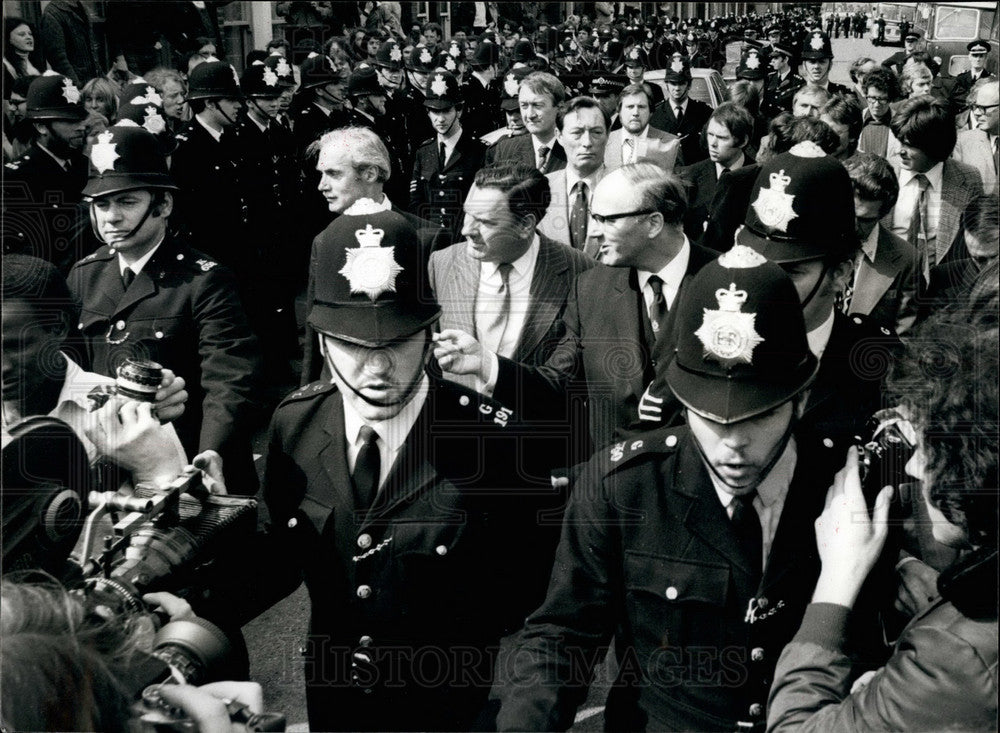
{"points": [[100, 97], [18, 48], [942, 674]]}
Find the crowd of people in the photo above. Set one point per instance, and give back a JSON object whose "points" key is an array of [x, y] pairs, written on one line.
{"points": [[552, 358]]}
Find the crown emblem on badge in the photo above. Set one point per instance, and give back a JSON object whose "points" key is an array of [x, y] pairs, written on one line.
{"points": [[510, 85], [395, 54], [753, 61], [816, 42], [425, 56], [270, 78], [150, 97], [773, 205], [104, 153], [154, 121], [439, 86], [729, 335], [370, 268], [677, 66], [70, 92], [283, 67]]}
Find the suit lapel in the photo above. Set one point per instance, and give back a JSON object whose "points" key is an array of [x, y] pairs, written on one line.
{"points": [[547, 293], [460, 294], [412, 470], [951, 213]]}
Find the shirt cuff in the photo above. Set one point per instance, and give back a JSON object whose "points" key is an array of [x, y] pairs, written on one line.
{"points": [[824, 624], [487, 387]]}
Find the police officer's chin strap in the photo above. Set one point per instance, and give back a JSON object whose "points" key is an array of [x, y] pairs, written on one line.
{"points": [[779, 451], [154, 203], [218, 107], [407, 393], [335, 101], [263, 112], [819, 281]]}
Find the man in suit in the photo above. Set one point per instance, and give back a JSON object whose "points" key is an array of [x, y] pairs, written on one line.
{"points": [[42, 187], [978, 52], [354, 165], [729, 131], [692, 547], [540, 97], [583, 134], [392, 494], [521, 317], [636, 139], [619, 321], [934, 190], [447, 163], [886, 273], [679, 114], [782, 82], [978, 148], [146, 294]]}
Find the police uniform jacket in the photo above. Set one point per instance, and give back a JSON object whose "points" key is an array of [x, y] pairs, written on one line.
{"points": [[396, 186], [840, 90], [778, 93], [183, 312], [418, 123], [689, 130], [213, 212], [447, 561], [310, 123], [960, 90], [649, 556], [42, 213], [437, 194], [482, 107]]}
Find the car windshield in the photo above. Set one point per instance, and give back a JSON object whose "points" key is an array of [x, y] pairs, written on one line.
{"points": [[699, 90], [960, 23]]}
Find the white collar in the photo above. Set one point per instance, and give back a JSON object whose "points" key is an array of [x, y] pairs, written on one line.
{"points": [[216, 134], [326, 112], [870, 245], [391, 432], [775, 484], [522, 265], [819, 337], [140, 263], [537, 142], [384, 205], [673, 272], [572, 177], [683, 105], [933, 176], [735, 166], [641, 136], [452, 139]]}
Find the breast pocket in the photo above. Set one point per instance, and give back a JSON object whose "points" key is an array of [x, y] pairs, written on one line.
{"points": [[432, 564], [675, 602]]}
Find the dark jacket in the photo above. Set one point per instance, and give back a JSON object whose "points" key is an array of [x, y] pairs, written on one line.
{"points": [[689, 130], [521, 150], [702, 179], [482, 107], [778, 93], [728, 208], [942, 676], [68, 39], [438, 194], [183, 312], [649, 557]]}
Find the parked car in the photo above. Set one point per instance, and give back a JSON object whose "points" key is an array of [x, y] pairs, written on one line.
{"points": [[707, 85]]}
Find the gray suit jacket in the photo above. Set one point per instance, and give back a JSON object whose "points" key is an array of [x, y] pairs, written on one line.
{"points": [[658, 147], [973, 149], [454, 277], [885, 288], [555, 223]]}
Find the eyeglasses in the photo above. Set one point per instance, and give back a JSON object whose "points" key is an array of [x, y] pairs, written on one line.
{"points": [[878, 100], [980, 109], [605, 218]]}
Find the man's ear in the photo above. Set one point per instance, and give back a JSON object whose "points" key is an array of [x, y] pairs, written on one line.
{"points": [[369, 174], [166, 205], [841, 273]]}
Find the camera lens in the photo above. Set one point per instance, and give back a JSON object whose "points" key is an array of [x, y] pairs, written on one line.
{"points": [[194, 647], [138, 379]]}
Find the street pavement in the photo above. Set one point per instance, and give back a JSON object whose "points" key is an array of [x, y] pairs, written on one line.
{"points": [[274, 638]]}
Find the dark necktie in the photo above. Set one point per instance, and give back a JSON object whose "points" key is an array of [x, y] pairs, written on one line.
{"points": [[679, 114], [127, 277], [746, 523], [578, 216], [367, 469], [442, 157], [543, 158], [658, 308], [917, 233], [996, 156]]}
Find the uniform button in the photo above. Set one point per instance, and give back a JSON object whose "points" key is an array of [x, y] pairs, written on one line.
{"points": [[671, 593], [180, 257], [828, 442], [111, 250], [365, 640], [756, 710], [364, 591], [364, 541], [441, 550], [757, 654], [671, 441], [857, 320], [159, 334], [444, 211], [120, 325], [293, 523], [80, 326], [463, 400], [762, 603]]}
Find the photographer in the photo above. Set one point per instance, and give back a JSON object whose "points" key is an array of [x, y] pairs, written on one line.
{"points": [[66, 666], [41, 378], [942, 674]]}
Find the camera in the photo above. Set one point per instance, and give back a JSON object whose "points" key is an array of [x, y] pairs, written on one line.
{"points": [[135, 379], [153, 539], [883, 455]]}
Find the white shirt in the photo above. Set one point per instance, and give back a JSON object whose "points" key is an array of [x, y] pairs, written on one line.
{"points": [[216, 134], [682, 106], [369, 205], [629, 153], [489, 298], [738, 163], [537, 143], [819, 337], [770, 499], [450, 142], [671, 275], [909, 192], [140, 263], [392, 433]]}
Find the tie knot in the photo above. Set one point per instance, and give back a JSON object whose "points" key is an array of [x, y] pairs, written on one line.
{"points": [[504, 269], [744, 501], [922, 181], [368, 435], [656, 284], [580, 187]]}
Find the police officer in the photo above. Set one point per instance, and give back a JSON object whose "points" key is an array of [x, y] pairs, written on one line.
{"points": [[389, 67], [395, 495], [42, 187], [275, 261], [817, 58], [606, 88], [207, 165], [978, 51], [418, 67], [142, 105], [679, 114], [691, 546], [509, 107], [482, 92], [636, 65], [320, 102], [911, 44], [368, 107], [782, 82], [445, 165], [146, 294], [753, 67]]}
